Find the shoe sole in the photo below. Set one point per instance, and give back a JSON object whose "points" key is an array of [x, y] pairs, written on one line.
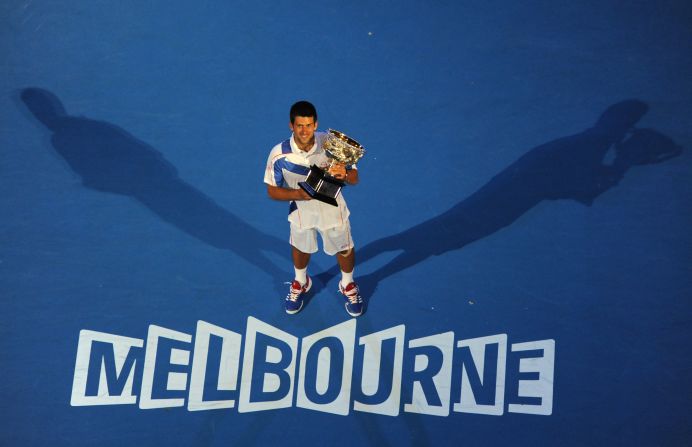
{"points": [[352, 314], [291, 312]]}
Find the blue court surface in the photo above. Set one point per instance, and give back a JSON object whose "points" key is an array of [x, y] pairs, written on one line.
{"points": [[522, 224]]}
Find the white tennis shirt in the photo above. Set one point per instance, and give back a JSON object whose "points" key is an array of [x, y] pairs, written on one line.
{"points": [[287, 165]]}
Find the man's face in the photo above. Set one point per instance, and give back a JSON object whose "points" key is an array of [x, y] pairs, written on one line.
{"points": [[303, 128]]}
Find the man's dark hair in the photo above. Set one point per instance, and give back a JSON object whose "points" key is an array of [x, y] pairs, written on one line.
{"points": [[303, 108]]}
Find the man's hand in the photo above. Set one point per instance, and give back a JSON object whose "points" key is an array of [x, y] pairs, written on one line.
{"points": [[645, 147], [338, 171]]}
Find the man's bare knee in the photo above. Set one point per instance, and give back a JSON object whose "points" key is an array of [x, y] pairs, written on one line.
{"points": [[345, 253]]}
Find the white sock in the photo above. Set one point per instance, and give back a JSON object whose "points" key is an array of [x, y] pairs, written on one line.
{"points": [[346, 278], [301, 275]]}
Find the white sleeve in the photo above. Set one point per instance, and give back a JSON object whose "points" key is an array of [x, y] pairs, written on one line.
{"points": [[271, 177]]}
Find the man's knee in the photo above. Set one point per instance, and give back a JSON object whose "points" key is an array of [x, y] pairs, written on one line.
{"points": [[346, 253]]}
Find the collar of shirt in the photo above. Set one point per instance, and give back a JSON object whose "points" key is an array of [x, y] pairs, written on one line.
{"points": [[297, 150]]}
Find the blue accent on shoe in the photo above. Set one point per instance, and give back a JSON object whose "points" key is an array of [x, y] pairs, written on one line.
{"points": [[296, 294], [354, 302]]}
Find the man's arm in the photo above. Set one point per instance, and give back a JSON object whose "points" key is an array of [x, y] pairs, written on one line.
{"points": [[287, 194], [350, 176]]}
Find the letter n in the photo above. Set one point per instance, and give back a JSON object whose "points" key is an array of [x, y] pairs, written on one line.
{"points": [[484, 362]]}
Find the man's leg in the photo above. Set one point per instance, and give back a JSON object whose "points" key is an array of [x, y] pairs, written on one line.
{"points": [[337, 239], [347, 286], [347, 262], [303, 244], [300, 264], [307, 241]]}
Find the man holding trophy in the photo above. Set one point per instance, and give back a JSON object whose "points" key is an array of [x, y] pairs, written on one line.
{"points": [[308, 170]]}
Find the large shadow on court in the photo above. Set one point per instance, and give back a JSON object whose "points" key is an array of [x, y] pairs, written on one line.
{"points": [[109, 159], [572, 168]]}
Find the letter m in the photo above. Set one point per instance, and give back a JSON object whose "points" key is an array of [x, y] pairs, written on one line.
{"points": [[104, 370]]}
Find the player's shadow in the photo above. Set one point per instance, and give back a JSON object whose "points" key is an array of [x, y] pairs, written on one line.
{"points": [[109, 159], [574, 167]]}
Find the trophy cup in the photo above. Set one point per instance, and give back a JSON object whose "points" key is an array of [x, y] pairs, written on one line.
{"points": [[341, 150]]}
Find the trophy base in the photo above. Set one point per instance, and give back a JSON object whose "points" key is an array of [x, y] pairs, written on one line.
{"points": [[321, 186]]}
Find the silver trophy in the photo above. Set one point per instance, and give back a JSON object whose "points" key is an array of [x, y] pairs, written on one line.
{"points": [[341, 150]]}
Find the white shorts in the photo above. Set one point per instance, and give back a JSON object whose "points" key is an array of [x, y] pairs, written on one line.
{"points": [[334, 239]]}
